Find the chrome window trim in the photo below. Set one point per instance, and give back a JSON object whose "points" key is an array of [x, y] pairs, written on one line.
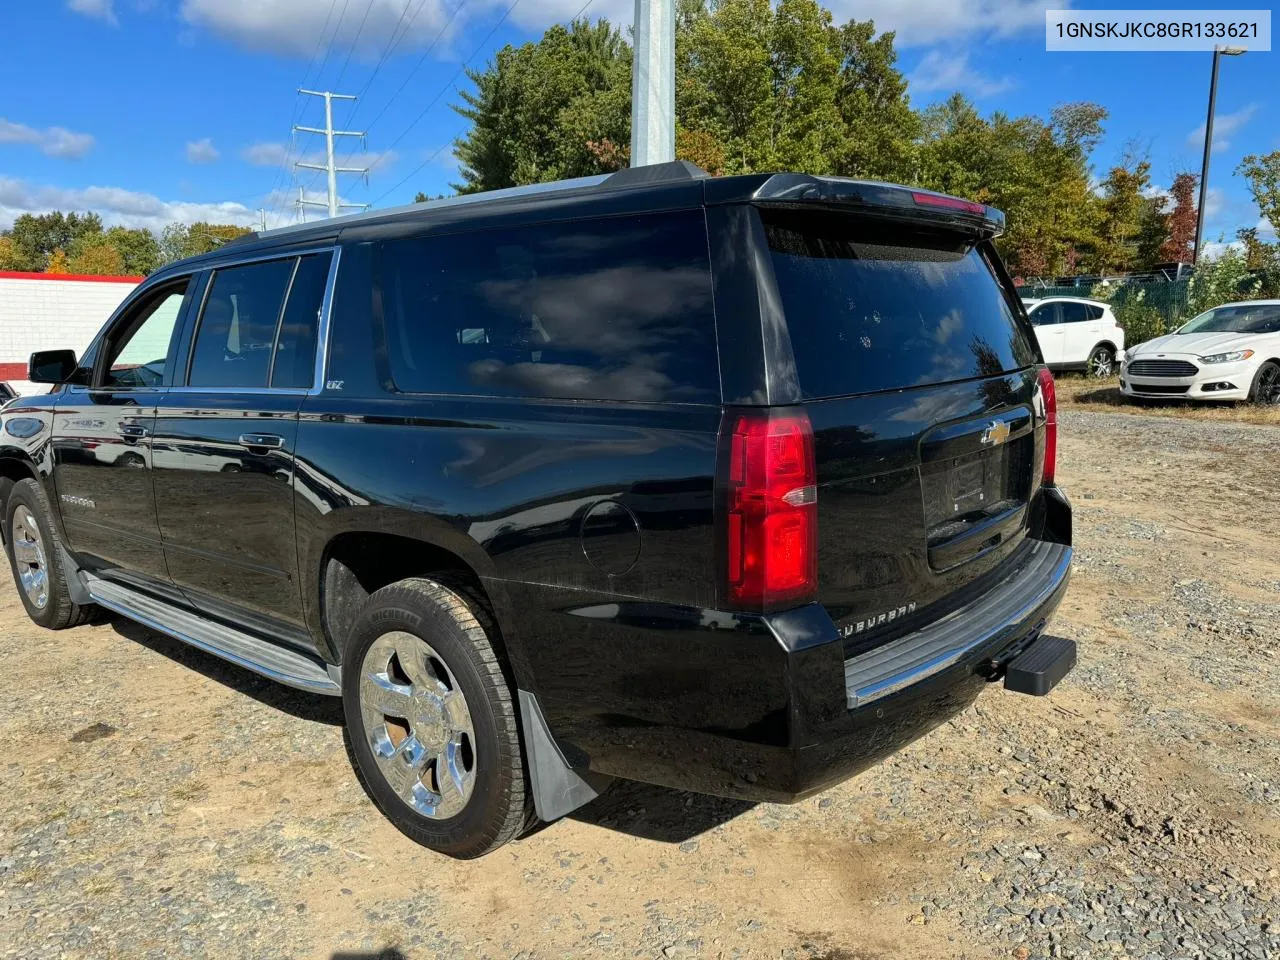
{"points": [[322, 330]]}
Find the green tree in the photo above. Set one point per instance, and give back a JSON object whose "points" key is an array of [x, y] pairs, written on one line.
{"points": [[881, 130], [536, 108], [180, 240], [139, 250], [1037, 172], [37, 236], [11, 258], [1120, 220], [1262, 171]]}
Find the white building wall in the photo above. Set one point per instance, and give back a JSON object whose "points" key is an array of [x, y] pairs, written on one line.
{"points": [[41, 312]]}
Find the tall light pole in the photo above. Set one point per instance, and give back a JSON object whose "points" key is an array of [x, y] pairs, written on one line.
{"points": [[653, 83], [1208, 142]]}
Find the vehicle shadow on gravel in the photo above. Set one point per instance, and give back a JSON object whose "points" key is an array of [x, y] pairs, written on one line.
{"points": [[657, 813], [296, 703]]}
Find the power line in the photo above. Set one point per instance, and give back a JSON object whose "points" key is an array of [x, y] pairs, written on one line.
{"points": [[414, 172], [391, 45], [284, 170], [355, 42]]}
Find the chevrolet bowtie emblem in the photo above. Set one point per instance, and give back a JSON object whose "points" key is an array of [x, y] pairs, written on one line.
{"points": [[997, 432]]}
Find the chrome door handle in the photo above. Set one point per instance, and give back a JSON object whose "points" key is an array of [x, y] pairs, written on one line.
{"points": [[266, 440], [132, 430]]}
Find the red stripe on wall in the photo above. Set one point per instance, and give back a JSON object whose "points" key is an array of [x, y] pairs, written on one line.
{"points": [[13, 371], [19, 275]]}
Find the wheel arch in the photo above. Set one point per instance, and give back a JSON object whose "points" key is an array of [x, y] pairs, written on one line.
{"points": [[357, 561], [15, 466]]}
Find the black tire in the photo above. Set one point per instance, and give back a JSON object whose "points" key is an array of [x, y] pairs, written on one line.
{"points": [[453, 621], [1265, 390], [1101, 363], [59, 611]]}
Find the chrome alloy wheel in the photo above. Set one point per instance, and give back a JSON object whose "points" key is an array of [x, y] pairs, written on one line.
{"points": [[1102, 363], [417, 724], [29, 557]]}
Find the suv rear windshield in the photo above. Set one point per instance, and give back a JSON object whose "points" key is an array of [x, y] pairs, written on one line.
{"points": [[872, 306]]}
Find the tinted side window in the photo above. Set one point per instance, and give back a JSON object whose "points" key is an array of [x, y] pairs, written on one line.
{"points": [[1095, 313], [610, 309], [1074, 312], [295, 359], [237, 327], [1045, 315]]}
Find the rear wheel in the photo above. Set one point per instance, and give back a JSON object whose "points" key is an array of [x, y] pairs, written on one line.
{"points": [[1102, 362], [1266, 385], [430, 720], [32, 544]]}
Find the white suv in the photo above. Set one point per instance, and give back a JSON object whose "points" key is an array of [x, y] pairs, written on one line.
{"points": [[1077, 334]]}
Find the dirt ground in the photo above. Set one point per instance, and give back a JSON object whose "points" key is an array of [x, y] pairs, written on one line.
{"points": [[158, 803]]}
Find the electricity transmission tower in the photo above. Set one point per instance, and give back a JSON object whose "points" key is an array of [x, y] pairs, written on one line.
{"points": [[333, 205]]}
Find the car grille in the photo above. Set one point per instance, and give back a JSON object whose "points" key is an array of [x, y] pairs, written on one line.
{"points": [[1158, 388], [1163, 368]]}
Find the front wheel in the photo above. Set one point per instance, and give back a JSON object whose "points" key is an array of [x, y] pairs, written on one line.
{"points": [[1102, 362], [32, 544], [1266, 385], [430, 720]]}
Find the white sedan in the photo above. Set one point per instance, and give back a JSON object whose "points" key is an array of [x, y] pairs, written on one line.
{"points": [[1231, 352], [1077, 334]]}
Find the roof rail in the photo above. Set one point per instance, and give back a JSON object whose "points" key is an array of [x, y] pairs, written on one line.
{"points": [[657, 173]]}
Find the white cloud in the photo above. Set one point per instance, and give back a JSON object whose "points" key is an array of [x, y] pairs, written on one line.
{"points": [[118, 206], [924, 22], [299, 27], [271, 154], [101, 9], [265, 154], [940, 71], [1224, 127], [202, 151], [51, 141]]}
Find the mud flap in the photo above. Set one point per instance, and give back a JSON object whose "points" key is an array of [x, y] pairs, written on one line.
{"points": [[558, 788]]}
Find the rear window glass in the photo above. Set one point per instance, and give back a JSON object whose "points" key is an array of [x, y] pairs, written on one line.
{"points": [[873, 307], [608, 309]]}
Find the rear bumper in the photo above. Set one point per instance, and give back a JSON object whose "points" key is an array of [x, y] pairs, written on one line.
{"points": [[768, 708]]}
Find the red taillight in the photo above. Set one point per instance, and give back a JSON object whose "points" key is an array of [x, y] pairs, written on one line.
{"points": [[951, 203], [771, 529], [1049, 394]]}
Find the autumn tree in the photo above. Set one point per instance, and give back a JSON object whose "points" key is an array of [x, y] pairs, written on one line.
{"points": [[180, 240], [97, 258], [57, 262], [1178, 248], [10, 257], [1120, 216]]}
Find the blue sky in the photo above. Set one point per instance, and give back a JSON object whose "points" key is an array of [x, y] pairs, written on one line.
{"points": [[150, 111]]}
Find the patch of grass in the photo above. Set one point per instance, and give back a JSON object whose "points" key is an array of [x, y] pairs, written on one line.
{"points": [[1103, 396]]}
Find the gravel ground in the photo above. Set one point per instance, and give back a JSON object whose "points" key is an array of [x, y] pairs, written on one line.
{"points": [[159, 803]]}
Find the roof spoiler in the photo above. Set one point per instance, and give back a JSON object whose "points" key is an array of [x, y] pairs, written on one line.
{"points": [[887, 199]]}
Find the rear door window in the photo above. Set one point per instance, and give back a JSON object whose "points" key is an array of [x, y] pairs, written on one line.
{"points": [[606, 309], [1074, 312], [871, 306], [237, 328], [1045, 315]]}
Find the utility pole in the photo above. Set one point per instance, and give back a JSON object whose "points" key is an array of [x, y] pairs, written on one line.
{"points": [[1208, 142], [329, 133], [653, 83]]}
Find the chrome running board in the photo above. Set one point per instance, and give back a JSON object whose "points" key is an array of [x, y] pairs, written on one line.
{"points": [[263, 657]]}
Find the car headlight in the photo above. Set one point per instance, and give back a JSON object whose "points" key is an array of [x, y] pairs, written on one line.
{"points": [[1231, 357]]}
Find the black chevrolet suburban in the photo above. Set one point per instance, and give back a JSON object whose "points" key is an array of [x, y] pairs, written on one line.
{"points": [[733, 485]]}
